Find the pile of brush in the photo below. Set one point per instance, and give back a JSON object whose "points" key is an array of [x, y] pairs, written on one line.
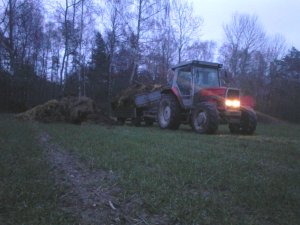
{"points": [[68, 109], [126, 97]]}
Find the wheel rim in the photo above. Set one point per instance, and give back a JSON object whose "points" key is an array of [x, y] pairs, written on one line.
{"points": [[165, 114], [200, 120]]}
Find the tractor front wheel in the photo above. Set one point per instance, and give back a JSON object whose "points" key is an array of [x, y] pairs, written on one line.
{"points": [[248, 121], [247, 125], [168, 115], [205, 119]]}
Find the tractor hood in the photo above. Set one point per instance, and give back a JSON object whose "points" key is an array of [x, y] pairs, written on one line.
{"points": [[221, 93], [217, 92]]}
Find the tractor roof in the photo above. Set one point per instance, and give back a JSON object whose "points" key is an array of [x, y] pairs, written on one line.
{"points": [[197, 63]]}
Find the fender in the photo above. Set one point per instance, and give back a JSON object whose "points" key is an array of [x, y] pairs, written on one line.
{"points": [[175, 92], [248, 101]]}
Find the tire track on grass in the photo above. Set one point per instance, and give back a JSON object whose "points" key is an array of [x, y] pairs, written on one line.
{"points": [[92, 195]]}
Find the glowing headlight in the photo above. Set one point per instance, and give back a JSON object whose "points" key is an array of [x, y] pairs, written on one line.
{"points": [[233, 103]]}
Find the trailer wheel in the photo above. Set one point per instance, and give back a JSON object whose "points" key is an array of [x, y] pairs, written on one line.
{"points": [[205, 119], [148, 122], [121, 120], [136, 121], [168, 112]]}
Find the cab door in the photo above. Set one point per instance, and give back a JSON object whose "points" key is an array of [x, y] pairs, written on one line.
{"points": [[185, 85]]}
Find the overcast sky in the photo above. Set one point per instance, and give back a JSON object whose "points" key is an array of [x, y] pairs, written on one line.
{"points": [[276, 16]]}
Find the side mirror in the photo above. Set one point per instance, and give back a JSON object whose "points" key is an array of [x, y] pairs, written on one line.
{"points": [[225, 75], [223, 82], [224, 78]]}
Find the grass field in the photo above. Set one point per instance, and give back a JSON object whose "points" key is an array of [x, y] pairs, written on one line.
{"points": [[191, 178], [28, 194]]}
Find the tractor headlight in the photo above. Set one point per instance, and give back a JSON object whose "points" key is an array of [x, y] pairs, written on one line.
{"points": [[233, 103]]}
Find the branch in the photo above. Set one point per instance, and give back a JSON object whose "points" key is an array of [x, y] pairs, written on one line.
{"points": [[5, 12], [144, 19], [75, 3]]}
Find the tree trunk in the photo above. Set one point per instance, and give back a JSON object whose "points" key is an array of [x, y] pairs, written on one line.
{"points": [[136, 53]]}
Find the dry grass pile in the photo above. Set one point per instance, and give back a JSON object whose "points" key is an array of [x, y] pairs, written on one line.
{"points": [[68, 109], [126, 97], [49, 112], [78, 110]]}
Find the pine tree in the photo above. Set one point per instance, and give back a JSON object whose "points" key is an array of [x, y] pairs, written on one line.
{"points": [[100, 59]]}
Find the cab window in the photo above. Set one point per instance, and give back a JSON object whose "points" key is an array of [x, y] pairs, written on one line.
{"points": [[184, 81], [206, 77]]}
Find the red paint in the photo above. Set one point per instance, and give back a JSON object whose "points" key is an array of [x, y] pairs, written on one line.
{"points": [[247, 101], [175, 91], [220, 91]]}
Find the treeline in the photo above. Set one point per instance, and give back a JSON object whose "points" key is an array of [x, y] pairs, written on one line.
{"points": [[82, 47]]}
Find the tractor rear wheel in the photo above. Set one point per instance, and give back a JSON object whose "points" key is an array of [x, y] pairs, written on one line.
{"points": [[168, 112], [205, 119]]}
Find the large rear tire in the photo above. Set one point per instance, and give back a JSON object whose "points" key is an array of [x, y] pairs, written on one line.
{"points": [[168, 112], [205, 118]]}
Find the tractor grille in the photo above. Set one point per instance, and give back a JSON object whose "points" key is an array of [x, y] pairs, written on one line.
{"points": [[233, 93], [230, 94]]}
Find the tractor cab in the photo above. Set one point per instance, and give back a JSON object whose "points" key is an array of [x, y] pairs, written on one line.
{"points": [[192, 76], [195, 79]]}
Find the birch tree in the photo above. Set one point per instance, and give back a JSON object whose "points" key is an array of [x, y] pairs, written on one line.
{"points": [[244, 35], [186, 26], [142, 16]]}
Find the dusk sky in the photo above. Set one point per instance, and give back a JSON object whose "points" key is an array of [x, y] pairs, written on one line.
{"points": [[276, 17]]}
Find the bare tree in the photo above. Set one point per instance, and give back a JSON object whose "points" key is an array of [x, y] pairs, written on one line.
{"points": [[163, 46], [143, 15], [115, 15], [86, 26], [76, 18], [276, 47], [186, 25], [7, 30], [21, 32], [244, 35], [202, 50]]}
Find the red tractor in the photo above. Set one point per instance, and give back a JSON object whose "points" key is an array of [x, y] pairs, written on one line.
{"points": [[195, 97]]}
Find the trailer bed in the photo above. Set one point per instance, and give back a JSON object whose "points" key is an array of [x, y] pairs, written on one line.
{"points": [[147, 99]]}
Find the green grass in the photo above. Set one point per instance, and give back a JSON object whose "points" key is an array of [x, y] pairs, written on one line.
{"points": [[28, 194], [193, 179], [198, 179]]}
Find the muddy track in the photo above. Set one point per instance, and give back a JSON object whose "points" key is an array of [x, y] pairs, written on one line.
{"points": [[92, 195]]}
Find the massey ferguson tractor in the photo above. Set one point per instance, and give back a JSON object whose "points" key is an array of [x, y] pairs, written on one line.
{"points": [[194, 96]]}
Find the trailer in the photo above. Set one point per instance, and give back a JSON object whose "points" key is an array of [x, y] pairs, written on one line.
{"points": [[144, 109]]}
